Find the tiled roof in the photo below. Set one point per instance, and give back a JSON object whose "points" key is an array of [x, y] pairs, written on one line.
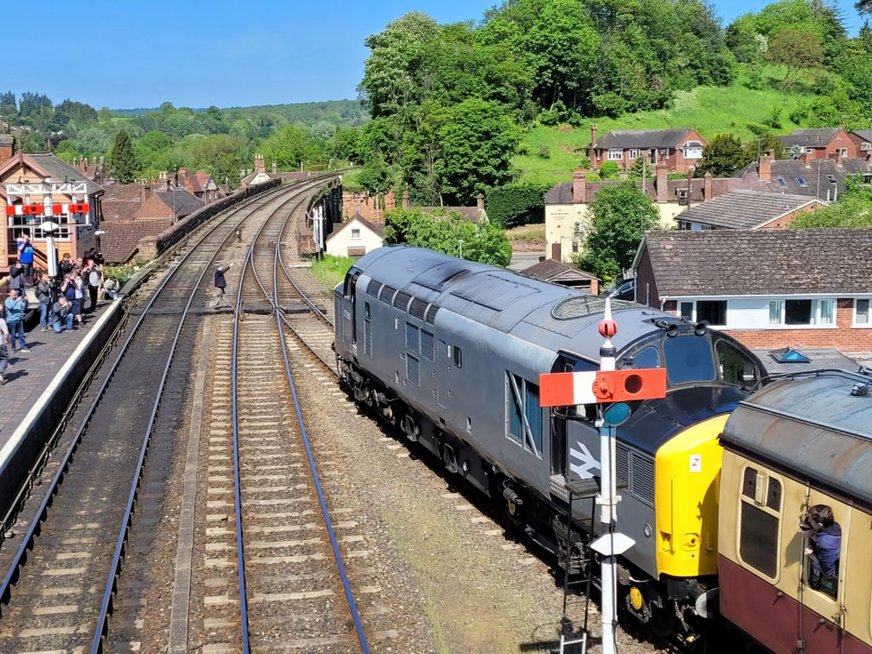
{"points": [[180, 201], [865, 134], [788, 175], [642, 138], [744, 209], [60, 170], [760, 262], [551, 269], [811, 137], [376, 228], [120, 240], [562, 193]]}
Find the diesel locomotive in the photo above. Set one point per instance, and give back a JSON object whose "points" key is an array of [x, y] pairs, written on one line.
{"points": [[450, 352]]}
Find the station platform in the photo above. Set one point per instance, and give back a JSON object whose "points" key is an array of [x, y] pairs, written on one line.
{"points": [[39, 386]]}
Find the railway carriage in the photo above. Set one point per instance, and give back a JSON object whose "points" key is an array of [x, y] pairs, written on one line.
{"points": [[799, 442], [451, 351]]}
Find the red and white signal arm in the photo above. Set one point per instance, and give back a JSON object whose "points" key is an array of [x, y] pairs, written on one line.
{"points": [[598, 386]]}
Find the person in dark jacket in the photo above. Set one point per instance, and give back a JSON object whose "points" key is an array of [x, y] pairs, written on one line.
{"points": [[221, 285], [824, 537], [61, 316], [43, 295], [18, 277]]}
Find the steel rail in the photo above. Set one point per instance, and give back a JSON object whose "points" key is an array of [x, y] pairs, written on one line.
{"points": [[325, 513], [237, 483]]}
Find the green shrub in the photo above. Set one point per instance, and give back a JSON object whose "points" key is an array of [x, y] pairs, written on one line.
{"points": [[516, 204], [609, 170], [544, 152]]}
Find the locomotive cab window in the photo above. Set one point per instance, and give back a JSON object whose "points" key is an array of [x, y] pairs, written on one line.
{"points": [[734, 367], [688, 359], [759, 521]]}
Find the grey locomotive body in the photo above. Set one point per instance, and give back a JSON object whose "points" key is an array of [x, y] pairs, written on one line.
{"points": [[451, 352]]}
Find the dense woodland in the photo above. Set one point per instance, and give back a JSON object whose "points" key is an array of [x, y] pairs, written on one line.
{"points": [[442, 109]]}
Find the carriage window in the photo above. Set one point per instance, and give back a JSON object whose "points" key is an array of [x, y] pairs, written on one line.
{"points": [[759, 520], [822, 541], [523, 413]]}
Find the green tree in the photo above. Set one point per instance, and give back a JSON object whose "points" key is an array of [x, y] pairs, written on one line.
{"points": [[723, 156], [478, 143], [618, 217], [293, 146], [795, 50], [123, 162], [451, 233], [864, 6]]}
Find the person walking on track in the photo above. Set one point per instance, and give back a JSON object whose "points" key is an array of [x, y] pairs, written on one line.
{"points": [[221, 285]]}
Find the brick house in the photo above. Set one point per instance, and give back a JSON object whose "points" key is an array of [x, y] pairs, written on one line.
{"points": [[864, 138], [679, 149], [133, 212], [561, 273], [35, 188], [566, 205], [823, 142], [744, 209], [199, 184], [768, 288]]}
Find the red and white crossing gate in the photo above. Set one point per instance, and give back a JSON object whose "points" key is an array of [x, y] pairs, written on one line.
{"points": [[599, 386]]}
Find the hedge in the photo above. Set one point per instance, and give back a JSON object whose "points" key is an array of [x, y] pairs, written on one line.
{"points": [[516, 204]]}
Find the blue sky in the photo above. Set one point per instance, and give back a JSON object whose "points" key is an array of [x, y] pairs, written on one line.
{"points": [[127, 54]]}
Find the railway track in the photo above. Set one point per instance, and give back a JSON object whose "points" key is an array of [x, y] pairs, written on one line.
{"points": [[276, 581], [59, 588]]}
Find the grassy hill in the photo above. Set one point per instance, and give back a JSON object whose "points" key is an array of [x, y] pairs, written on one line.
{"points": [[551, 153]]}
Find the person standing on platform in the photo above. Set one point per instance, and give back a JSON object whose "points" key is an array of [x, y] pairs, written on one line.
{"points": [[94, 281], [61, 318], [43, 295], [18, 277], [15, 308], [65, 265], [4, 350], [221, 285], [25, 256]]}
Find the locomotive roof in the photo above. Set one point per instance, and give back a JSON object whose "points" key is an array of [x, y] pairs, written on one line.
{"points": [[551, 315], [813, 427]]}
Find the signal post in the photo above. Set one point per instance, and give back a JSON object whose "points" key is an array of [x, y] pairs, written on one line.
{"points": [[610, 389]]}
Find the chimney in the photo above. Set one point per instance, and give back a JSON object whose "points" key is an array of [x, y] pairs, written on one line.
{"points": [[259, 165], [764, 167], [579, 186], [707, 187], [182, 178], [661, 183], [144, 193], [836, 156], [275, 168], [479, 202], [805, 158], [592, 134], [406, 201]]}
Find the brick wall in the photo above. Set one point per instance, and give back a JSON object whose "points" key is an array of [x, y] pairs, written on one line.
{"points": [[370, 208], [790, 217]]}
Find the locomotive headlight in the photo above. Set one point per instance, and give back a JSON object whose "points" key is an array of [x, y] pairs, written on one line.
{"points": [[647, 530]]}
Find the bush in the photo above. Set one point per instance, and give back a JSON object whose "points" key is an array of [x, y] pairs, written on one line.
{"points": [[544, 152], [516, 204], [609, 170]]}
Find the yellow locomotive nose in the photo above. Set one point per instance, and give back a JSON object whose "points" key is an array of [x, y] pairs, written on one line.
{"points": [[686, 477]]}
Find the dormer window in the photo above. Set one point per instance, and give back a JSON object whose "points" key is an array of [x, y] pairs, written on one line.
{"points": [[781, 182], [801, 181]]}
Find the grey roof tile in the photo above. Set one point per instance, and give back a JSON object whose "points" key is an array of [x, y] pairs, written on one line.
{"points": [[744, 209], [811, 137], [765, 261], [642, 138]]}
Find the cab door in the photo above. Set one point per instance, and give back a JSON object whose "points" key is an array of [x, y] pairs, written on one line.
{"points": [[822, 619], [348, 320]]}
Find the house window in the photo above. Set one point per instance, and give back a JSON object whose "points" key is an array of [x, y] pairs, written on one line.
{"points": [[759, 521], [523, 413], [861, 312], [801, 181], [687, 310], [781, 182], [616, 154], [809, 150], [355, 233], [634, 153], [712, 311], [842, 152], [802, 312], [693, 150]]}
